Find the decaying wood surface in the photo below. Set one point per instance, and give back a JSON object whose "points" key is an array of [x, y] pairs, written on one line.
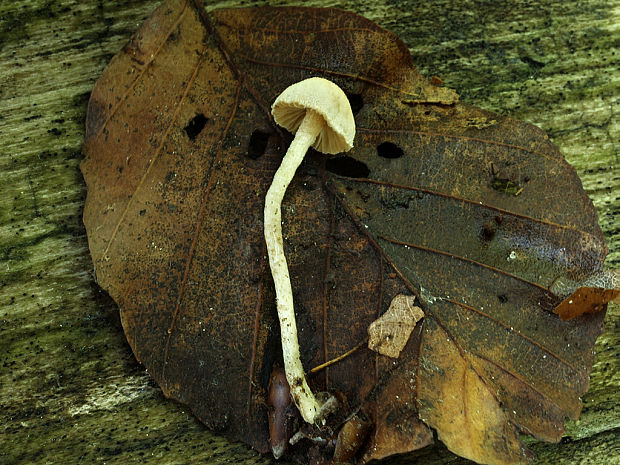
{"points": [[70, 389]]}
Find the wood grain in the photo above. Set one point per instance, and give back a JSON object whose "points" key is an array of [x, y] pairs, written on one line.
{"points": [[71, 390]]}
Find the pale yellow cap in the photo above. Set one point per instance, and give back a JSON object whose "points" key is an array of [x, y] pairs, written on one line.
{"points": [[329, 101]]}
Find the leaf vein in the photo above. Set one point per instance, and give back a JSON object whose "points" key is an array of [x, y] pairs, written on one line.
{"points": [[457, 136], [518, 378], [465, 409], [141, 73], [155, 157], [465, 259], [468, 201], [519, 334], [333, 73], [480, 376], [192, 248], [259, 305], [302, 32], [330, 240]]}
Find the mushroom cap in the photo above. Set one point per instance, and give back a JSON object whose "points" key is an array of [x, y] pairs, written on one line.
{"points": [[326, 99]]}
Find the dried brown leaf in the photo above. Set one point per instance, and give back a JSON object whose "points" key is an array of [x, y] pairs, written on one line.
{"points": [[180, 149]]}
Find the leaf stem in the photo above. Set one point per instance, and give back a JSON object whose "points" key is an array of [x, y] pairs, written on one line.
{"points": [[339, 358]]}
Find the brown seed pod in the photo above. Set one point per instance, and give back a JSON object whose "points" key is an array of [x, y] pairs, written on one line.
{"points": [[282, 412]]}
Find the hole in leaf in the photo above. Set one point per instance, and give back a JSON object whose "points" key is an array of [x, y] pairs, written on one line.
{"points": [[502, 298], [356, 101], [258, 143], [488, 232], [505, 186], [347, 166], [195, 126], [389, 150]]}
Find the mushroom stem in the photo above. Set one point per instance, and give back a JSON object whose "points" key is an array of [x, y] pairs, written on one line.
{"points": [[307, 133]]}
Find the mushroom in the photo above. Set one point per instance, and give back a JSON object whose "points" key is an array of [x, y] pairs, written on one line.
{"points": [[319, 114]]}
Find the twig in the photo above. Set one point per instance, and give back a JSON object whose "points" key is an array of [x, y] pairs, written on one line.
{"points": [[337, 359]]}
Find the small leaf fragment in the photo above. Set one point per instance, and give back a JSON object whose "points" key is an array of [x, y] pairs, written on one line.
{"points": [[588, 296], [389, 333], [585, 300]]}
